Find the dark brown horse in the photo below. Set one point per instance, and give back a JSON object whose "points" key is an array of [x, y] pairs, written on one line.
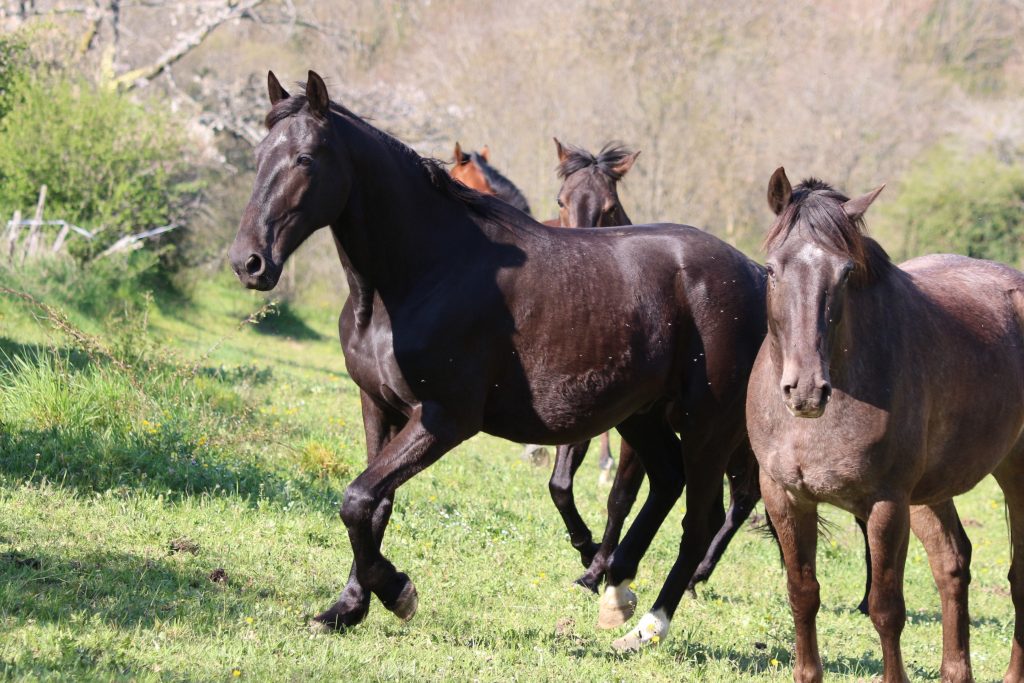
{"points": [[885, 390], [589, 198], [456, 320]]}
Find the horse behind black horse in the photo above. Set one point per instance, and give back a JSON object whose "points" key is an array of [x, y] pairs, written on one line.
{"points": [[456, 324]]}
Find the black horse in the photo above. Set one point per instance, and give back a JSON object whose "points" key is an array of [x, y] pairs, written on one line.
{"points": [[456, 322]]}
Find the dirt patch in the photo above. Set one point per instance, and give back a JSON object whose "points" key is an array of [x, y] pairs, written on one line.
{"points": [[20, 560], [218, 576], [183, 544]]}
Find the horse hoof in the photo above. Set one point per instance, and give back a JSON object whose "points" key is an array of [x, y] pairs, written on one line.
{"points": [[336, 618], [406, 603], [585, 582], [617, 606], [653, 628]]}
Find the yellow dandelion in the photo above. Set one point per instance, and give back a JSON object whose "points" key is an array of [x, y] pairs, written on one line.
{"points": [[236, 672], [655, 639], [248, 620], [774, 662]]}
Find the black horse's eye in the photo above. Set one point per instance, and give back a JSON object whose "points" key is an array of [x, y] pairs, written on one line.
{"points": [[304, 160]]}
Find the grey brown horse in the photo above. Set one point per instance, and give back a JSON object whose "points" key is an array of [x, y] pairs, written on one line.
{"points": [[885, 390]]}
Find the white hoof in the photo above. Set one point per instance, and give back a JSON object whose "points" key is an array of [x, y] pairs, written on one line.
{"points": [[617, 605], [653, 629]]}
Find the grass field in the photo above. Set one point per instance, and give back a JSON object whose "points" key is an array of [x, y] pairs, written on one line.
{"points": [[178, 521]]}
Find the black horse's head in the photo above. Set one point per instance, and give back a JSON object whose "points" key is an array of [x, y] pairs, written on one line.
{"points": [[303, 178]]}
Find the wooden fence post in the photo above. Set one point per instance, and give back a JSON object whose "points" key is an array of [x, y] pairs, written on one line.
{"points": [[12, 234], [33, 236]]}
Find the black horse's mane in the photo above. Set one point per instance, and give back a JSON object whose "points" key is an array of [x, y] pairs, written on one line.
{"points": [[817, 207], [606, 161], [485, 206], [504, 189]]}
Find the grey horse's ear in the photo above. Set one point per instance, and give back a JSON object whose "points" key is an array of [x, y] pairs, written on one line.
{"points": [[780, 192], [274, 89], [316, 93], [856, 207], [458, 154]]}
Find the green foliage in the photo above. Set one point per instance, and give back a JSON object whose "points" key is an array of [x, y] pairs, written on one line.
{"points": [[111, 165], [972, 206], [12, 55]]}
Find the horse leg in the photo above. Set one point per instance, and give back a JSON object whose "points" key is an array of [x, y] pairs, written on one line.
{"points": [[567, 461], [659, 449], [605, 462], [863, 606], [744, 493], [429, 434], [704, 516], [949, 554], [888, 537], [796, 526], [1011, 480], [354, 602], [628, 478]]}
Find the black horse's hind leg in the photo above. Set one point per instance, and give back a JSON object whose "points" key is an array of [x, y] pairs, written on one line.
{"points": [[739, 509], [354, 603], [567, 461], [744, 492], [628, 478], [658, 447], [863, 606], [705, 466], [429, 434]]}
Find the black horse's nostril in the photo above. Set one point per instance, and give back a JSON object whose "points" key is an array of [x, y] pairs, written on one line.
{"points": [[254, 265], [787, 389]]}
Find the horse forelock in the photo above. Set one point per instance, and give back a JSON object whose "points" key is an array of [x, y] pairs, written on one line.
{"points": [[606, 161], [815, 211]]}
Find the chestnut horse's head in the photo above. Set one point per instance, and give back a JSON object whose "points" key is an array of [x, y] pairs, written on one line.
{"points": [[303, 179], [474, 170], [816, 251], [589, 197], [467, 168]]}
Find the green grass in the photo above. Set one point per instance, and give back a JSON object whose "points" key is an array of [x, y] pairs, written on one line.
{"points": [[143, 487]]}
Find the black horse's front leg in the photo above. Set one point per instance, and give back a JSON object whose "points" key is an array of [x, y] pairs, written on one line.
{"points": [[429, 434], [567, 460], [380, 426]]}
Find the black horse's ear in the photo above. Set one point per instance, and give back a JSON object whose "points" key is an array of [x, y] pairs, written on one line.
{"points": [[856, 207], [458, 154], [780, 192], [274, 89], [562, 154], [316, 93]]}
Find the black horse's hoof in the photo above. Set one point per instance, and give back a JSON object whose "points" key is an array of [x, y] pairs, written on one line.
{"points": [[588, 553], [338, 617], [405, 601], [588, 582]]}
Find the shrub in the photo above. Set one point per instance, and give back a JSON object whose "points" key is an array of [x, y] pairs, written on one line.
{"points": [[110, 164], [965, 205]]}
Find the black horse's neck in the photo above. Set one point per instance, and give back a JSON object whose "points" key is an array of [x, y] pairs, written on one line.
{"points": [[397, 230]]}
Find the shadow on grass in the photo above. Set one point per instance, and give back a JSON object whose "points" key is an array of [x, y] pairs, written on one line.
{"points": [[167, 464], [285, 322]]}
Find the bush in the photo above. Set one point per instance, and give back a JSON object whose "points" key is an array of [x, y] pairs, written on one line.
{"points": [[972, 206], [110, 164]]}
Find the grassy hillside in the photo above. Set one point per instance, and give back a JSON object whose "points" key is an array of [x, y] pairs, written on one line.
{"points": [[177, 520]]}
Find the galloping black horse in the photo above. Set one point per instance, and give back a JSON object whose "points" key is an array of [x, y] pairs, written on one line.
{"points": [[456, 321]]}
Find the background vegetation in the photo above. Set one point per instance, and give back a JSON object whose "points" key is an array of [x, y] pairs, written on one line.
{"points": [[173, 449]]}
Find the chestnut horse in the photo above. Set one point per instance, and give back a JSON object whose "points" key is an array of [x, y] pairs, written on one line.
{"points": [[474, 170], [885, 390], [455, 324]]}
